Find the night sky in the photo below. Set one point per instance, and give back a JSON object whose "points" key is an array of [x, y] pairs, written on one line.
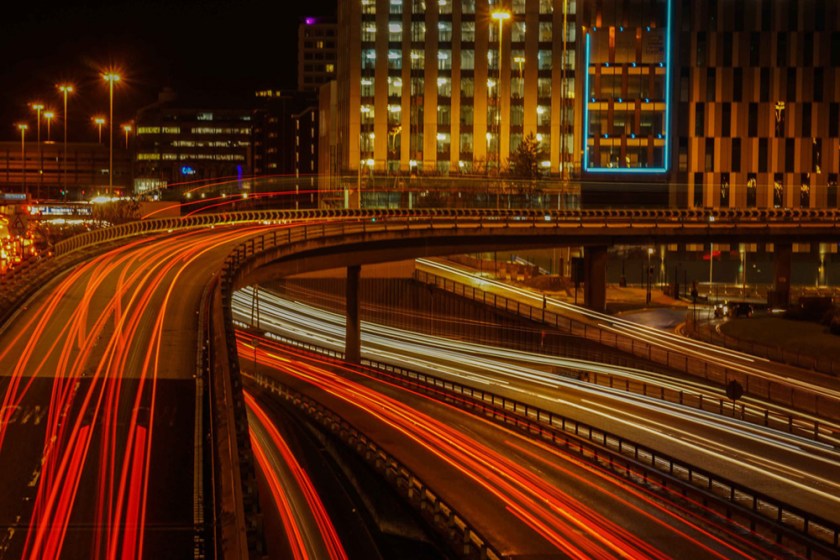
{"points": [[205, 48]]}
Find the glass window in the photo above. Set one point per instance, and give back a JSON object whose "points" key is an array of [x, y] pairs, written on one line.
{"points": [[369, 32], [444, 86], [394, 87], [466, 115], [467, 88], [468, 6], [544, 87], [444, 6], [444, 115], [545, 31], [394, 114], [444, 60], [468, 32], [368, 59], [394, 59], [518, 6], [367, 89], [517, 116], [445, 31], [832, 191], [724, 190], [418, 31], [467, 59], [546, 7], [418, 59], [517, 34], [443, 140], [396, 6], [805, 191], [543, 115], [394, 31], [544, 60], [778, 191], [752, 191]]}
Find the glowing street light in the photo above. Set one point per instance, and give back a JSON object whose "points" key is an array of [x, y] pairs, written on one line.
{"points": [[38, 107], [650, 252], [65, 90], [99, 122], [127, 129], [111, 78], [49, 116], [501, 16], [22, 127]]}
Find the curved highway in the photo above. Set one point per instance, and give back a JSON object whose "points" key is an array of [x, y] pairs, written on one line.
{"points": [[791, 468]]}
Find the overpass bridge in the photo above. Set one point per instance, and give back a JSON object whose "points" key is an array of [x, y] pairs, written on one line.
{"points": [[287, 242]]}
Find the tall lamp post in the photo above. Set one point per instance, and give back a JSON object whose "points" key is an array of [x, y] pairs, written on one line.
{"points": [[500, 16], [127, 129], [38, 107], [65, 90], [22, 127], [49, 116], [99, 122], [649, 275], [111, 78]]}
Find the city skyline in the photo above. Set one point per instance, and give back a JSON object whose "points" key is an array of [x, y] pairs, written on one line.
{"points": [[220, 50]]}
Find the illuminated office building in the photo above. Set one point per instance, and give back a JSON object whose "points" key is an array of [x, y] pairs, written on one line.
{"points": [[424, 89], [185, 142], [759, 103], [697, 103], [316, 52]]}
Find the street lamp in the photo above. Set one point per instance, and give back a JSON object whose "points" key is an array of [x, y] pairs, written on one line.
{"points": [[65, 90], [520, 60], [22, 127], [99, 122], [500, 16], [127, 129], [111, 78], [650, 252], [49, 115], [38, 107]]}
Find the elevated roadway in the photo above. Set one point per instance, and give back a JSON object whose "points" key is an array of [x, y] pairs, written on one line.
{"points": [[102, 365]]}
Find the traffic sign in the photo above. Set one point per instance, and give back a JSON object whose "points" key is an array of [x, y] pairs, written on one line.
{"points": [[18, 225]]}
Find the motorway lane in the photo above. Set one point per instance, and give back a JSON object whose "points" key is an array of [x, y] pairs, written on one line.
{"points": [[792, 469], [527, 498], [100, 356]]}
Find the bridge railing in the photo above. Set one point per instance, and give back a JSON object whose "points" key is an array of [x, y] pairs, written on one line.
{"points": [[803, 399], [815, 536]]}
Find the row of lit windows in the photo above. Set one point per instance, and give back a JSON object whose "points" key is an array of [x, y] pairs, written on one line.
{"points": [[467, 85], [195, 130], [190, 157], [417, 32], [211, 144], [804, 186], [467, 6], [444, 59]]}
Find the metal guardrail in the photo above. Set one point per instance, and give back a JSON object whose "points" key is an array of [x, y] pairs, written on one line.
{"points": [[823, 364], [429, 504], [805, 400], [815, 536]]}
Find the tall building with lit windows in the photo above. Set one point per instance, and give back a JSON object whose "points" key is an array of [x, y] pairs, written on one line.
{"points": [[453, 86], [317, 43], [177, 142], [759, 104], [688, 103]]}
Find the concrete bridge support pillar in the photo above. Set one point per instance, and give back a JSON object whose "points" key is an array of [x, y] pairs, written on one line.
{"points": [[595, 278], [783, 253], [353, 334]]}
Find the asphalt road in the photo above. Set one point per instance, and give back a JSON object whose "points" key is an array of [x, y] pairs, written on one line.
{"points": [[97, 376]]}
